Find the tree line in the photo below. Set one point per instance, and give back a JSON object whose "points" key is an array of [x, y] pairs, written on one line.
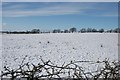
{"points": [[71, 30]]}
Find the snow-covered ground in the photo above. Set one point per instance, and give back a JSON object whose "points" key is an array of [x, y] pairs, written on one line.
{"points": [[59, 47]]}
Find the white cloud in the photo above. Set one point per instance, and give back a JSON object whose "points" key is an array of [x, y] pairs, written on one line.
{"points": [[108, 15], [22, 10], [46, 11], [4, 24]]}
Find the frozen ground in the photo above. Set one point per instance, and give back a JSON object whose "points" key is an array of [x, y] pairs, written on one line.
{"points": [[59, 48]]}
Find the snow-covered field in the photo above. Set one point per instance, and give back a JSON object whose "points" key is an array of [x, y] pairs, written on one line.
{"points": [[59, 47]]}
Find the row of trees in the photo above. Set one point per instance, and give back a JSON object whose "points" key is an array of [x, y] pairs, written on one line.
{"points": [[71, 30], [34, 31], [84, 30]]}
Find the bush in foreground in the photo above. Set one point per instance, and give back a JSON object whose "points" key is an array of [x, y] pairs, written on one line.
{"points": [[46, 70]]}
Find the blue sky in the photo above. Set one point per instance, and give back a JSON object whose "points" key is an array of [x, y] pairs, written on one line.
{"points": [[59, 15], [60, 0]]}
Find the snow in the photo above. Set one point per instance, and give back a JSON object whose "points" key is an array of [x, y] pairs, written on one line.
{"points": [[59, 48]]}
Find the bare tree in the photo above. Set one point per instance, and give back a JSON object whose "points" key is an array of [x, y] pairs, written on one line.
{"points": [[73, 30]]}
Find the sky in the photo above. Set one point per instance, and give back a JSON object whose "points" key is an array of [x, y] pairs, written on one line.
{"points": [[60, 0], [47, 16]]}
